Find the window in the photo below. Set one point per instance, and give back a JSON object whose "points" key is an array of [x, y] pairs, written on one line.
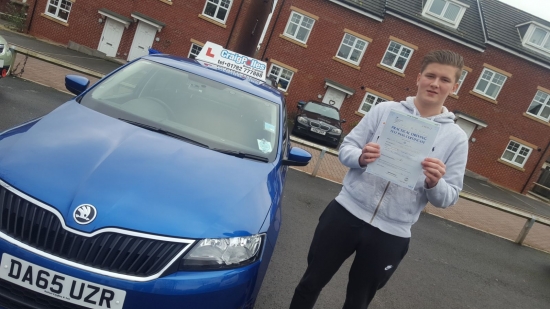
{"points": [[540, 38], [490, 83], [461, 80], [194, 51], [352, 48], [217, 9], [281, 76], [59, 9], [369, 101], [397, 56], [449, 12], [516, 153], [540, 106], [299, 27]]}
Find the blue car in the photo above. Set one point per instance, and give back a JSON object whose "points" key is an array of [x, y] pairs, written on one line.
{"points": [[158, 187]]}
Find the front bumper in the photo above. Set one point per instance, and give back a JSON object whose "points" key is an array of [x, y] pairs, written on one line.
{"points": [[231, 289], [306, 131]]}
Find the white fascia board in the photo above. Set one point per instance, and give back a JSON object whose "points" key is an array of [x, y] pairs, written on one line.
{"points": [[356, 10], [331, 85], [465, 117], [159, 27], [460, 3], [124, 22], [497, 45], [445, 35]]}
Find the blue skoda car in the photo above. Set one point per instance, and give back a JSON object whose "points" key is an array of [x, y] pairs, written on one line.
{"points": [[158, 187]]}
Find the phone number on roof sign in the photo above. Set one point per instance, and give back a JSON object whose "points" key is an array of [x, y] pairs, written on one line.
{"points": [[239, 68]]}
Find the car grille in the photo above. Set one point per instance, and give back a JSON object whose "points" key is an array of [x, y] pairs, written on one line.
{"points": [[320, 125], [109, 251], [1, 48], [13, 296]]}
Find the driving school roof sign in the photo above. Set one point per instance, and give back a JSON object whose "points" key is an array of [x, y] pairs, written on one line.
{"points": [[216, 54]]}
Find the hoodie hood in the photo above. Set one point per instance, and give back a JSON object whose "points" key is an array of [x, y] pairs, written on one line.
{"points": [[444, 117]]}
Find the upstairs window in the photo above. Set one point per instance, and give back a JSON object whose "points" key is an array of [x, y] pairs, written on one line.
{"points": [[217, 9], [540, 106], [448, 11], [352, 49], [540, 38], [299, 27], [59, 9], [397, 56], [460, 81], [516, 153], [490, 83]]}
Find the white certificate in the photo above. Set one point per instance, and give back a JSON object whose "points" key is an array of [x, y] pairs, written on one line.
{"points": [[406, 140]]}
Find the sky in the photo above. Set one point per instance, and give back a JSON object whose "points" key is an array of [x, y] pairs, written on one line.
{"points": [[539, 8]]}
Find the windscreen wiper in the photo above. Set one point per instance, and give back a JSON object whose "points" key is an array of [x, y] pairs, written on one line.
{"points": [[240, 154], [164, 132]]}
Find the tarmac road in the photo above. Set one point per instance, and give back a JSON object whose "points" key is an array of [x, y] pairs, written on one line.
{"points": [[447, 266]]}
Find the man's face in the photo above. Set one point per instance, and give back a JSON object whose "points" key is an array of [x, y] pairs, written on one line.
{"points": [[435, 83]]}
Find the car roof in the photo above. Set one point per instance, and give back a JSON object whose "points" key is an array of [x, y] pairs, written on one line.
{"points": [[250, 85]]}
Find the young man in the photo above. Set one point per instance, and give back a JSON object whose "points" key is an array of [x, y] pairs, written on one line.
{"points": [[373, 217]]}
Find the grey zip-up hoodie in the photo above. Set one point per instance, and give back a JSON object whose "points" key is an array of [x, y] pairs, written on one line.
{"points": [[387, 206]]}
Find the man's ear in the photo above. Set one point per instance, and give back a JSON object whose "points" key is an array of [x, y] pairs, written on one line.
{"points": [[455, 87], [418, 78]]}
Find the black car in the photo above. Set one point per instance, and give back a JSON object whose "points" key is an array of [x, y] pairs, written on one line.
{"points": [[319, 121]]}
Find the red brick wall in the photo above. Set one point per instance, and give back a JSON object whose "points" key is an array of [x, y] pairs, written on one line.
{"points": [[504, 119], [249, 26], [181, 19]]}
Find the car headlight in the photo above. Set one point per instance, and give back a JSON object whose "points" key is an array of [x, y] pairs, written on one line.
{"points": [[335, 131], [220, 253], [302, 120]]}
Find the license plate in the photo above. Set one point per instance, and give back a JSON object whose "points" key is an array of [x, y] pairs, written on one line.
{"points": [[60, 286], [319, 131], [1, 63]]}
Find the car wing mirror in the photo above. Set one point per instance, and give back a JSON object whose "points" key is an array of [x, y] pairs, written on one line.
{"points": [[76, 83], [301, 104], [297, 157], [343, 121]]}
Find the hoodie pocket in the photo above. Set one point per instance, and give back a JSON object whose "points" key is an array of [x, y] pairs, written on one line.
{"points": [[401, 204]]}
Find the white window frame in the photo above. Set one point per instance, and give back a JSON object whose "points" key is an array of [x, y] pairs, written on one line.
{"points": [[517, 153], [217, 10], [440, 18], [489, 83], [401, 47], [353, 48], [299, 25], [461, 80], [58, 8], [279, 76], [545, 41], [377, 100], [544, 104], [191, 50]]}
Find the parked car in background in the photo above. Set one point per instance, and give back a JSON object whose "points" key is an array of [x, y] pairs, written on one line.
{"points": [[7, 57], [160, 186], [318, 121]]}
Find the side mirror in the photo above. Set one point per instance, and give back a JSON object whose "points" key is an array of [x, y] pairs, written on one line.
{"points": [[297, 157], [76, 84], [343, 121], [301, 104]]}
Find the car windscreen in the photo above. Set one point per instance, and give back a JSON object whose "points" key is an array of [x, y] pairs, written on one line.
{"points": [[322, 110], [191, 106]]}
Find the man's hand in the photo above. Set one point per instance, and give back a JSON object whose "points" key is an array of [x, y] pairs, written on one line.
{"points": [[370, 152], [434, 169]]}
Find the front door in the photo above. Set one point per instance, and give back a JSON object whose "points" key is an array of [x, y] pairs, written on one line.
{"points": [[467, 126], [334, 97], [110, 39], [143, 40]]}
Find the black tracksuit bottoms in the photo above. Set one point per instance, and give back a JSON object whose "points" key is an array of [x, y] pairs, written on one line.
{"points": [[337, 236]]}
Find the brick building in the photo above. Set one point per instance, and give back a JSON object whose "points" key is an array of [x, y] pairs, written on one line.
{"points": [[357, 53], [126, 29]]}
